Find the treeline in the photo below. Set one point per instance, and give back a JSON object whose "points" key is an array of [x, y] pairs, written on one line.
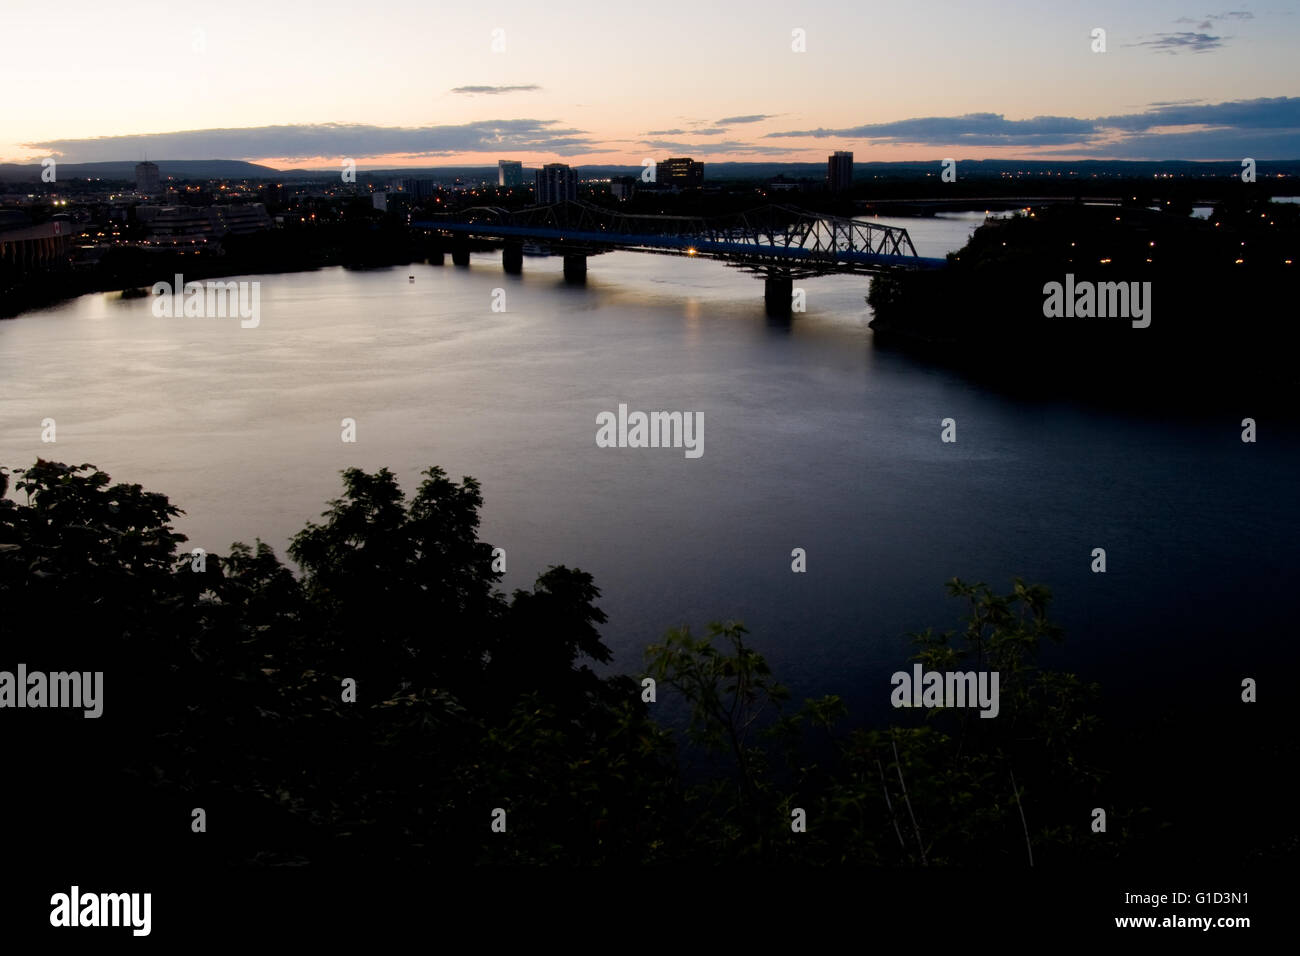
{"points": [[1217, 294]]}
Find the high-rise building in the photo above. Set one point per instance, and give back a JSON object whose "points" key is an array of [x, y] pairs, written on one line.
{"points": [[418, 189], [555, 182], [147, 179], [623, 187], [272, 194], [510, 172], [839, 171], [682, 172]]}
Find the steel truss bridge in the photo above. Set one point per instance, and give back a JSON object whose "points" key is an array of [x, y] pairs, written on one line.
{"points": [[777, 241]]}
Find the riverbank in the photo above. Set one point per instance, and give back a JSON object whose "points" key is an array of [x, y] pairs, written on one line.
{"points": [[301, 250], [1106, 300]]}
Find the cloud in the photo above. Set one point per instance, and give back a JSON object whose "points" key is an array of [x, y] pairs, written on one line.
{"points": [[1201, 144], [1210, 17], [736, 120], [312, 141], [1207, 22], [1268, 127], [494, 90], [1278, 112], [1182, 42], [972, 129], [1265, 128], [713, 149]]}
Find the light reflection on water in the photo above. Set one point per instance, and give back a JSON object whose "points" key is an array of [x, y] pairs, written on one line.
{"points": [[812, 439]]}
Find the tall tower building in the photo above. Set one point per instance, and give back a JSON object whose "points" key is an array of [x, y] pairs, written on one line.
{"points": [[839, 171], [510, 172], [556, 182], [147, 179]]}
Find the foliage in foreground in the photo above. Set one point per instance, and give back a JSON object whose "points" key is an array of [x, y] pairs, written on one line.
{"points": [[223, 691]]}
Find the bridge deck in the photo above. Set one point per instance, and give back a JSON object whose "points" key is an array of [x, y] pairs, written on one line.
{"points": [[776, 239], [838, 261]]}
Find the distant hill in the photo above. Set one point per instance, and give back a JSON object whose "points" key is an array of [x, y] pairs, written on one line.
{"points": [[125, 171], [967, 169], [203, 169]]}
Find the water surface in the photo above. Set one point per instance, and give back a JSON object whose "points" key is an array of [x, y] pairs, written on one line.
{"points": [[812, 439]]}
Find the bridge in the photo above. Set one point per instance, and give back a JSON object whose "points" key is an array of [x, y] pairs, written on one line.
{"points": [[780, 243]]}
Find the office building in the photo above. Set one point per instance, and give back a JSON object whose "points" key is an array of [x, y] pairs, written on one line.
{"points": [[681, 173], [555, 182], [510, 172], [194, 227], [623, 187], [147, 179], [419, 189], [839, 171]]}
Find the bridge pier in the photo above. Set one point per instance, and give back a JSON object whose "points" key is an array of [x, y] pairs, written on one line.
{"points": [[575, 269], [777, 241], [512, 258], [777, 292]]}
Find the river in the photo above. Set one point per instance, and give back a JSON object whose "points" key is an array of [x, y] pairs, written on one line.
{"points": [[813, 439]]}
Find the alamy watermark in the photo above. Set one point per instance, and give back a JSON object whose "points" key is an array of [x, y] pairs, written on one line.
{"points": [[74, 689], [946, 689], [102, 909], [651, 430], [209, 300], [1099, 300]]}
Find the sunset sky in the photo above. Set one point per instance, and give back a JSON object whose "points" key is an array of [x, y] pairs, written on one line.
{"points": [[417, 83]]}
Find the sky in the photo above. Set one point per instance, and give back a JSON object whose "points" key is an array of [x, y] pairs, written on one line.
{"points": [[309, 83]]}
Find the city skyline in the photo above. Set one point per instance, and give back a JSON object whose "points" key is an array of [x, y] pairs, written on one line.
{"points": [[419, 87]]}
